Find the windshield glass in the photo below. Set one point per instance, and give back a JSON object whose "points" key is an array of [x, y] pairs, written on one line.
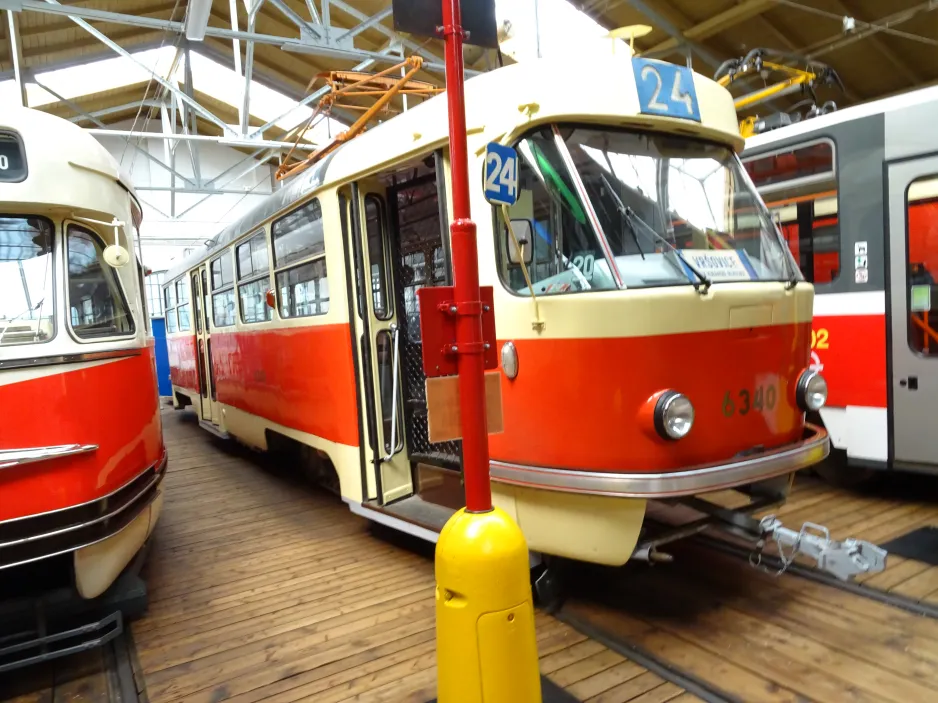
{"points": [[26, 306], [604, 208]]}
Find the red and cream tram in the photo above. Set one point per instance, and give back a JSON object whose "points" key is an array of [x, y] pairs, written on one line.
{"points": [[81, 448], [651, 367], [856, 194]]}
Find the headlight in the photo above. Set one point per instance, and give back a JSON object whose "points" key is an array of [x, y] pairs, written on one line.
{"points": [[812, 391], [674, 415]]}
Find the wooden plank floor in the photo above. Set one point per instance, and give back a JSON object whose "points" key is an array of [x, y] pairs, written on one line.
{"points": [[761, 638], [265, 589]]}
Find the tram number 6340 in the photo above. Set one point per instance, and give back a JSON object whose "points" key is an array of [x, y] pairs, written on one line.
{"points": [[760, 398]]}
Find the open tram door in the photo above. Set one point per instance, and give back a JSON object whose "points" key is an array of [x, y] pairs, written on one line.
{"points": [[913, 309], [199, 282], [401, 244]]}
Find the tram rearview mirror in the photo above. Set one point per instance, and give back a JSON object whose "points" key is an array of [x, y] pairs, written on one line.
{"points": [[271, 299], [116, 256], [524, 233]]}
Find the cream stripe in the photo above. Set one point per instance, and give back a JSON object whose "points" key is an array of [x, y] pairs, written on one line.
{"points": [[652, 312], [11, 376]]}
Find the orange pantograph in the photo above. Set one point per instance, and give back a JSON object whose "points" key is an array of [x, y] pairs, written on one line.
{"points": [[381, 87]]}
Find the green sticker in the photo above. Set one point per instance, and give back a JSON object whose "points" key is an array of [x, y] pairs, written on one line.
{"points": [[921, 298]]}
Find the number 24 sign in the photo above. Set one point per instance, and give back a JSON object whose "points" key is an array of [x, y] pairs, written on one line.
{"points": [[665, 89], [501, 174]]}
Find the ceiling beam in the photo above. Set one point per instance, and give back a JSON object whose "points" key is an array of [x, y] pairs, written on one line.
{"points": [[163, 9], [308, 46], [70, 61], [910, 74], [710, 27], [216, 139], [16, 56], [654, 14]]}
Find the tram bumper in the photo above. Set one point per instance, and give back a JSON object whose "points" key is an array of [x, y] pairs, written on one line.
{"points": [[102, 535], [745, 469]]}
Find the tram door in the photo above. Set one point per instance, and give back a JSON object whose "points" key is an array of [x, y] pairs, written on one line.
{"points": [[381, 332], [199, 279], [913, 255]]}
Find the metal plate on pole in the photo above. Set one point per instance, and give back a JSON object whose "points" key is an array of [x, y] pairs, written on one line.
{"points": [[422, 17], [438, 330]]}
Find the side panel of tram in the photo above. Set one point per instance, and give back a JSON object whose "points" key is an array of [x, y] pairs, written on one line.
{"points": [[296, 320], [857, 198], [81, 449]]}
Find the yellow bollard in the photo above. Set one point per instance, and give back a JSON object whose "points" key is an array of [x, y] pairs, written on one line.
{"points": [[486, 649]]}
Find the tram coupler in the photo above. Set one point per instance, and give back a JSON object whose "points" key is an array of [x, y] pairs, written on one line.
{"points": [[842, 559]]}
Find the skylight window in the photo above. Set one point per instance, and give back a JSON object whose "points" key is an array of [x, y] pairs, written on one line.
{"points": [[208, 76]]}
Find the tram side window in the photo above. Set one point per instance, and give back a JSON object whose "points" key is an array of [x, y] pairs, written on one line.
{"points": [[300, 262], [96, 302], [922, 271], [374, 228], [169, 304], [223, 297], [182, 296], [26, 299], [254, 279], [799, 187]]}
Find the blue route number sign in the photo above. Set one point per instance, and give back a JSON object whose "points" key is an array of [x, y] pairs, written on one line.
{"points": [[500, 182], [665, 89]]}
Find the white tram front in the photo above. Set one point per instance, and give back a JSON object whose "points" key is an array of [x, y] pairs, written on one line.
{"points": [[81, 449]]}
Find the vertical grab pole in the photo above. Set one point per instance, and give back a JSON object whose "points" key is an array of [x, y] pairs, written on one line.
{"points": [[475, 443], [486, 649]]}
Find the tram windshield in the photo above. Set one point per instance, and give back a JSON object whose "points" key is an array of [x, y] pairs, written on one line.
{"points": [[650, 209], [26, 303]]}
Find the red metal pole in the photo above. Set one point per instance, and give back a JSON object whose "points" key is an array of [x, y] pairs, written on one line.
{"points": [[471, 367]]}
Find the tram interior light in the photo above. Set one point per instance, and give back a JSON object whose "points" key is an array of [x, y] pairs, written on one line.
{"points": [[674, 415], [811, 391]]}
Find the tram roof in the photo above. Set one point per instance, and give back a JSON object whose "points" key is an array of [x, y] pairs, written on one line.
{"points": [[855, 112], [499, 105], [51, 139]]}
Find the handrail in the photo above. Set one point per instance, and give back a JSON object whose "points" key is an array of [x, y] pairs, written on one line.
{"points": [[925, 327], [395, 365], [18, 457]]}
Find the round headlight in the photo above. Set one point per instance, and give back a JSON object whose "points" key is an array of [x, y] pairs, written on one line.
{"points": [[812, 391], [674, 415]]}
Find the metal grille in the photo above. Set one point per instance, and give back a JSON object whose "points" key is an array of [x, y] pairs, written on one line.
{"points": [[419, 261]]}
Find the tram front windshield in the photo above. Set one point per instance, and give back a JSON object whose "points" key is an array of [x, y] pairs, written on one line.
{"points": [[661, 209]]}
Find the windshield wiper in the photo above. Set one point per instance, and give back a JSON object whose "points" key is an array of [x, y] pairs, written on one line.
{"points": [[631, 219], [623, 210]]}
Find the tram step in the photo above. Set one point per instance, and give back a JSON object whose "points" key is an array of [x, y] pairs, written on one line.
{"points": [[214, 429], [416, 511]]}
